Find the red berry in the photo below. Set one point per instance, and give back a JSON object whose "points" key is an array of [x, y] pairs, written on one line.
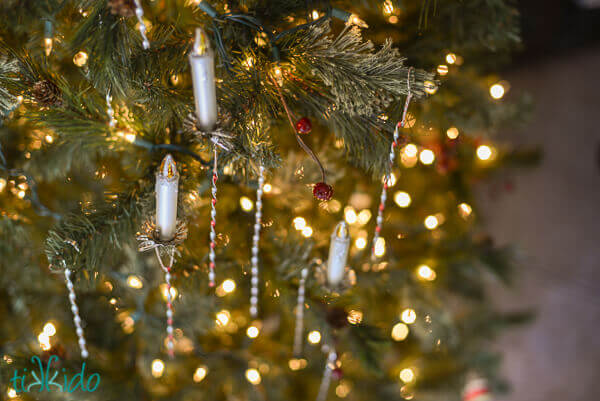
{"points": [[303, 125], [337, 373], [322, 191]]}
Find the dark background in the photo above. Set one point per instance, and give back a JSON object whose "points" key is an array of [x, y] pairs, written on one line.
{"points": [[552, 212]]}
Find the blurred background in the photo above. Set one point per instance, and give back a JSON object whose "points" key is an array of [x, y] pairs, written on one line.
{"points": [[551, 212]]}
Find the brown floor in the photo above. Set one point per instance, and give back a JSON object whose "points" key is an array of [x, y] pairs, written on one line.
{"points": [[553, 216]]}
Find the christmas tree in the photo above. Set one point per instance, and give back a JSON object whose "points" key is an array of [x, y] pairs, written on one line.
{"points": [[298, 176]]}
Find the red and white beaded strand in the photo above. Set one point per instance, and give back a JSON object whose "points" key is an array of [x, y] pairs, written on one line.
{"points": [[167, 270], [213, 220], [393, 146], [255, 244], [74, 307], [299, 329], [139, 13]]}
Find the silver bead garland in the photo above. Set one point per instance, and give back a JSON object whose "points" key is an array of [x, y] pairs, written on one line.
{"points": [[139, 13], [110, 111], [169, 313], [255, 243], [392, 157], [299, 329], [326, 380], [75, 310]]}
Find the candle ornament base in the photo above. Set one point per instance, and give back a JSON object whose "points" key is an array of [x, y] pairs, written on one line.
{"points": [[149, 236], [348, 279], [220, 135]]}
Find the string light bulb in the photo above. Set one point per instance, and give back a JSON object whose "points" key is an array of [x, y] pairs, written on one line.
{"points": [[49, 329], [497, 91], [80, 59], [402, 199], [450, 58], [442, 69], [427, 156], [246, 204], [431, 222], [200, 373], [356, 20], [407, 375], [253, 376], [314, 337], [426, 273], [400, 332], [134, 282], [299, 223], [388, 7], [228, 286], [484, 152], [408, 316], [252, 331], [158, 367], [452, 133], [379, 248], [48, 33]]}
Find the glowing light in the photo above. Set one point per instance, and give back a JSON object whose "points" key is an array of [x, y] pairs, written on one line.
{"points": [[355, 20], [442, 69], [200, 373], [497, 91], [379, 247], [431, 222], [407, 375], [21, 194], [158, 367], [430, 87], [253, 376], [130, 137], [49, 138], [342, 390], [252, 332], [299, 223], [314, 14], [297, 364], [399, 332], [163, 291], [249, 62], [223, 317], [427, 156], [246, 203], [465, 210], [44, 340], [11, 393], [388, 7], [484, 152], [408, 316], [393, 19], [402, 199], [364, 216], [267, 188], [307, 232], [228, 286], [49, 329], [112, 301], [391, 180], [450, 58], [2, 184], [354, 316], [360, 243], [134, 282], [350, 215], [20, 99], [410, 150], [80, 59], [47, 46], [314, 337], [452, 132], [426, 273]]}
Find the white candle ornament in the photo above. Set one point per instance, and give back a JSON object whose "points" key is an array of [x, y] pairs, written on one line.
{"points": [[338, 253], [167, 180], [202, 63], [392, 157], [139, 13], [299, 329], [255, 241]]}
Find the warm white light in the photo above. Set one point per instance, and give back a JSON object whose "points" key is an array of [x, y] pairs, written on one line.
{"points": [[450, 58], [134, 282], [355, 20], [11, 393], [360, 243], [426, 273], [200, 374], [307, 232], [49, 138], [47, 46], [452, 133], [431, 222], [407, 375], [430, 87], [388, 7], [163, 291], [49, 329], [497, 91], [390, 181], [315, 14], [354, 316], [297, 364], [364, 216], [379, 250], [223, 317], [252, 332], [342, 390], [442, 69], [399, 332], [129, 137], [21, 194], [484, 152], [350, 215], [2, 184], [427, 156], [158, 367], [253, 376], [44, 340], [465, 210], [408, 316], [299, 223], [246, 203], [410, 150], [314, 337], [267, 188], [402, 199], [80, 59], [228, 286]]}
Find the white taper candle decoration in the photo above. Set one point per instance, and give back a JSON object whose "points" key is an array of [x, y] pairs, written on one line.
{"points": [[326, 380], [75, 310], [202, 62], [255, 244], [299, 329], [139, 13], [338, 253], [167, 180]]}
